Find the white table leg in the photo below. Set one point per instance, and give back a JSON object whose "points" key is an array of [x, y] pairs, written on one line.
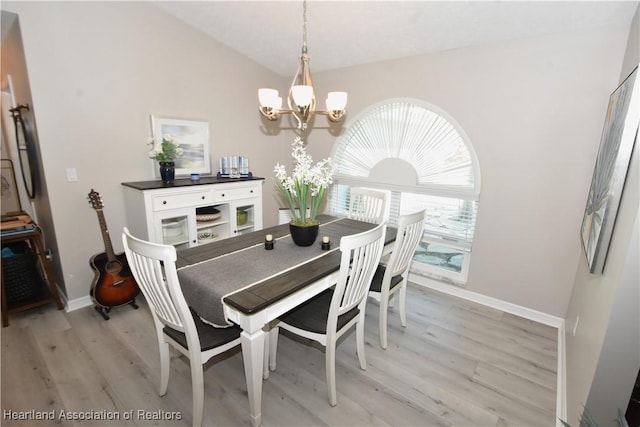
{"points": [[265, 366], [253, 357]]}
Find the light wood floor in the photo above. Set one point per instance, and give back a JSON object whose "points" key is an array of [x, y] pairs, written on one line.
{"points": [[456, 363]]}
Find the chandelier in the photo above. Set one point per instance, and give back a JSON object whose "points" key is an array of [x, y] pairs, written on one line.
{"points": [[302, 99]]}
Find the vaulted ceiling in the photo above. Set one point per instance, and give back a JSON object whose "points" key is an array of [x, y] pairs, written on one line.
{"points": [[346, 33]]}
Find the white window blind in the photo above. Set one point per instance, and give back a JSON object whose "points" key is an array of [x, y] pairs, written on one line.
{"points": [[423, 159], [415, 133]]}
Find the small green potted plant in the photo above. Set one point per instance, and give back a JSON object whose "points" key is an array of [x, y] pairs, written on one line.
{"points": [[165, 153], [304, 191]]}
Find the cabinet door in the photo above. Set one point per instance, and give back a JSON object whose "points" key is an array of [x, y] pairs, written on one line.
{"points": [[176, 227], [246, 216]]}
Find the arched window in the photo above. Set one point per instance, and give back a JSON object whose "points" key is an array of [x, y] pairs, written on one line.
{"points": [[423, 159]]}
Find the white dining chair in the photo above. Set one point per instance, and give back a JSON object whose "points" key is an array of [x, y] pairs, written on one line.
{"points": [[327, 316], [367, 205], [153, 267], [391, 276]]}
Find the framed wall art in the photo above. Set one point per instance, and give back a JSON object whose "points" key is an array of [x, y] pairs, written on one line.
{"points": [[10, 199], [616, 146], [193, 138]]}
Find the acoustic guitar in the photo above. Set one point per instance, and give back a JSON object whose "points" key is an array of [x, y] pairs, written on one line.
{"points": [[113, 284]]}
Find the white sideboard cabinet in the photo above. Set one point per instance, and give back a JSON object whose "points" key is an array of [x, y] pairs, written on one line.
{"points": [[166, 213]]}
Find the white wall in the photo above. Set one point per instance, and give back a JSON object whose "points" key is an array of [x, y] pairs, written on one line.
{"points": [[603, 357], [533, 110], [97, 71]]}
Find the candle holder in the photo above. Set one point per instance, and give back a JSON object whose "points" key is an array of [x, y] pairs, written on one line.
{"points": [[268, 242], [326, 244]]}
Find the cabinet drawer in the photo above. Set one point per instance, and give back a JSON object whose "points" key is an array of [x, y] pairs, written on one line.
{"points": [[181, 200], [235, 193]]}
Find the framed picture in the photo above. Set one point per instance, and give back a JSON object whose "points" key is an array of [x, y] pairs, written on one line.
{"points": [[616, 145], [193, 138], [8, 188]]}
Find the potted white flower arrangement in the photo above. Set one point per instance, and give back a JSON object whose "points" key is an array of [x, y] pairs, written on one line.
{"points": [[165, 153], [304, 191]]}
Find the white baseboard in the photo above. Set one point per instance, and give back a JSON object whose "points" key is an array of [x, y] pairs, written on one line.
{"points": [[78, 303], [561, 385], [527, 313], [518, 310]]}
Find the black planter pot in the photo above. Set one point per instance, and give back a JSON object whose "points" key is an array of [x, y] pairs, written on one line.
{"points": [[304, 235], [167, 172]]}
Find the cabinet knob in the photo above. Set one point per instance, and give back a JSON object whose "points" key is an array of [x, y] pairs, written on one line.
{"points": [[222, 194], [251, 191], [202, 197], [164, 202]]}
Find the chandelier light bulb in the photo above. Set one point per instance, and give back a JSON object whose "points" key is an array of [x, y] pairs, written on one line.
{"points": [[268, 98], [336, 101], [302, 95]]}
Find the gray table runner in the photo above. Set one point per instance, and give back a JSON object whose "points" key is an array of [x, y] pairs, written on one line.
{"points": [[205, 284]]}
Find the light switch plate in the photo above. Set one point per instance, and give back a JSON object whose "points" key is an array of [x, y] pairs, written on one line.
{"points": [[72, 175]]}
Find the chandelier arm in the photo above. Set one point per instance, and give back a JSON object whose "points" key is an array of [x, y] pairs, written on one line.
{"points": [[332, 115], [269, 112]]}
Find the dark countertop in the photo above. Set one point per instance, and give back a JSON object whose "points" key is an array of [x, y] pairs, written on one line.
{"points": [[185, 182]]}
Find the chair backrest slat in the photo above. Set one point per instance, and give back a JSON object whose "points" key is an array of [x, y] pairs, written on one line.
{"points": [[152, 280], [360, 257], [153, 267], [367, 205], [410, 232]]}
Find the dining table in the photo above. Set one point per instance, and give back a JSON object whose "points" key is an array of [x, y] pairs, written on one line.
{"points": [[245, 281]]}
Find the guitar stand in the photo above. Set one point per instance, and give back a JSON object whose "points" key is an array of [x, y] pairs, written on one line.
{"points": [[102, 311]]}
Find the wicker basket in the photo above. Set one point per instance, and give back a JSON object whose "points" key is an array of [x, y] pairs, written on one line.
{"points": [[21, 277]]}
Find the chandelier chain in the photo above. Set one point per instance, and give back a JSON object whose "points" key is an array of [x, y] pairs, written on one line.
{"points": [[304, 25]]}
